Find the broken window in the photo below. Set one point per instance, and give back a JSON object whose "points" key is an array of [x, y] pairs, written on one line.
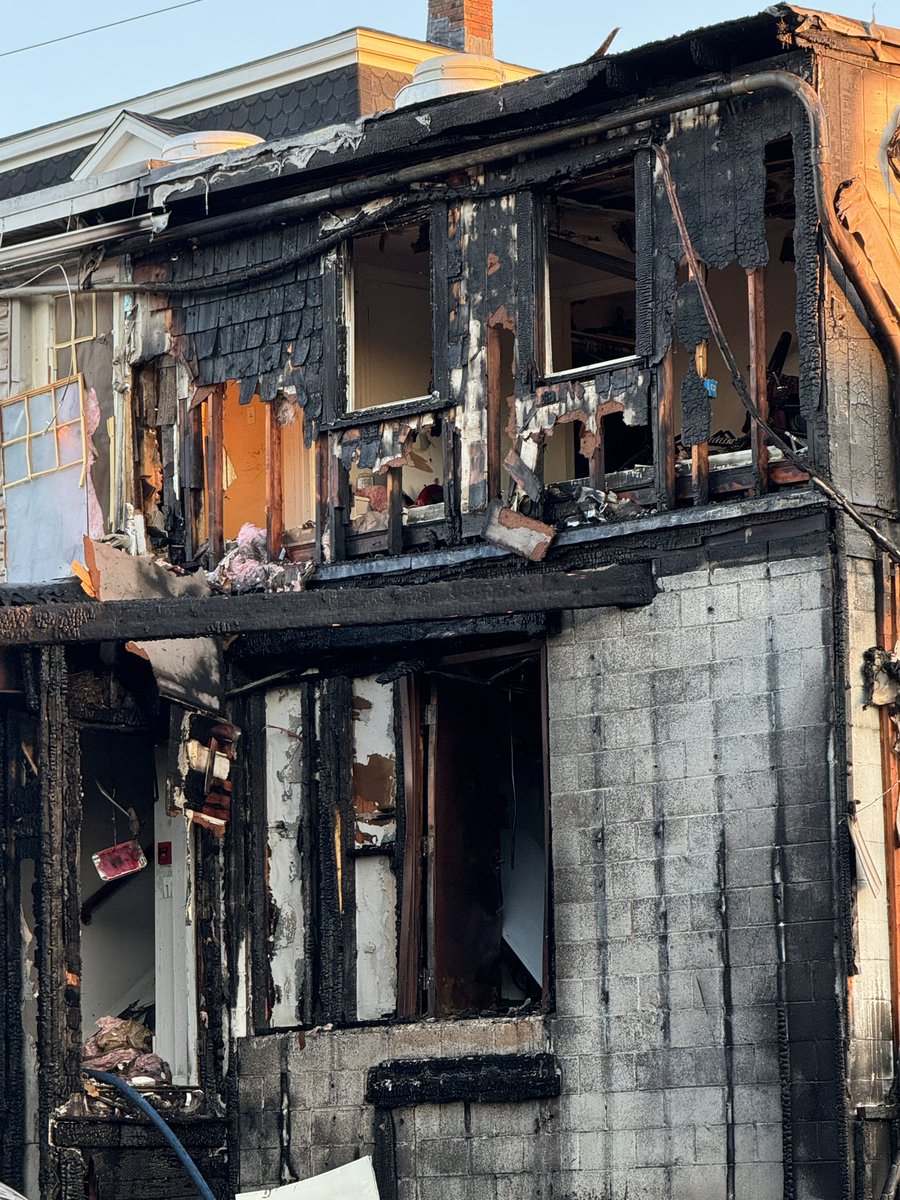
{"points": [[589, 312], [45, 429], [389, 318], [256, 471], [394, 464], [137, 946], [476, 794]]}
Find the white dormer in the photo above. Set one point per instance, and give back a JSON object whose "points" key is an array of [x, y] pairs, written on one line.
{"points": [[131, 138]]}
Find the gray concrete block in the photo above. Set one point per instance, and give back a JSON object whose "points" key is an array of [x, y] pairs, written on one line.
{"points": [[710, 1144], [747, 639], [443, 1156], [692, 1106], [699, 1182], [710, 606], [503, 1155]]}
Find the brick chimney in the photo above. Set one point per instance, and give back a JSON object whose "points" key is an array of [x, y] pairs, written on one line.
{"points": [[462, 25]]}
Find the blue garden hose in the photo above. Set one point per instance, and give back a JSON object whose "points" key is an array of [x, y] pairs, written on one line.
{"points": [[148, 1110]]}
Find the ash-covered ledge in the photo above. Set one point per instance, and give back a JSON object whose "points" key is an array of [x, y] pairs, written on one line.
{"points": [[480, 1078]]}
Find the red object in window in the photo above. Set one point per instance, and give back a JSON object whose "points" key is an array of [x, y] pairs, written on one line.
{"points": [[122, 859], [164, 854]]}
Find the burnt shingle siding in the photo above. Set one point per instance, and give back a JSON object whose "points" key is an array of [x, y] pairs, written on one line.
{"points": [[265, 336]]}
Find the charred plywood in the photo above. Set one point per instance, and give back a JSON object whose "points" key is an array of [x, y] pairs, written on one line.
{"points": [[287, 819], [374, 789], [482, 258]]}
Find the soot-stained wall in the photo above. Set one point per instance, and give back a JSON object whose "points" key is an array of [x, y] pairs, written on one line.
{"points": [[693, 819]]}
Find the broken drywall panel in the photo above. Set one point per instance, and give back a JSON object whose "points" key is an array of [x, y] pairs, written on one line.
{"points": [[374, 766], [376, 937], [355, 1181], [189, 670], [623, 389], [284, 800], [509, 530]]}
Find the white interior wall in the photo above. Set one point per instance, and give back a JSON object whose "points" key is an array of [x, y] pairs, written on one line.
{"points": [[175, 942]]}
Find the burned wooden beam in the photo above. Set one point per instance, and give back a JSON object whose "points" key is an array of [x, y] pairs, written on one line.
{"points": [[587, 256], [626, 585]]}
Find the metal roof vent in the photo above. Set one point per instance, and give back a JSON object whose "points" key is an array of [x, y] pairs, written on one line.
{"points": [[448, 74], [205, 143]]}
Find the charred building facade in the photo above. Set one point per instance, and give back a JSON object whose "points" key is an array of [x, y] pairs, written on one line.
{"points": [[466, 575]]}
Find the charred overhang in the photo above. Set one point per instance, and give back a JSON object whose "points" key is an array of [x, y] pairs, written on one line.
{"points": [[488, 1078], [467, 126], [625, 586]]}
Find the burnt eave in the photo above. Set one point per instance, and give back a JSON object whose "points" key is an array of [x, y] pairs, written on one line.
{"points": [[207, 195]]}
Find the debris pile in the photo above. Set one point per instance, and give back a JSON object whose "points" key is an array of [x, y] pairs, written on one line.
{"points": [[125, 1047]]}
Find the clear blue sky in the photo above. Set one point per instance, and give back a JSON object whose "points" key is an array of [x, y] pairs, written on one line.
{"points": [[54, 82]]}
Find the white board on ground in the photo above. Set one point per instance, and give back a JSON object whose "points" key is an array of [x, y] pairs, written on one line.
{"points": [[355, 1181]]}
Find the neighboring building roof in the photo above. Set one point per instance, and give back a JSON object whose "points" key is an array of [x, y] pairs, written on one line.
{"points": [[283, 94]]}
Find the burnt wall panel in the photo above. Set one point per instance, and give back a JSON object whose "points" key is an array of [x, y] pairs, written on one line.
{"points": [[482, 278], [265, 333]]}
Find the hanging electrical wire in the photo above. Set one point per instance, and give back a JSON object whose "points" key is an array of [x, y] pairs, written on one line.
{"points": [[831, 490], [67, 37]]}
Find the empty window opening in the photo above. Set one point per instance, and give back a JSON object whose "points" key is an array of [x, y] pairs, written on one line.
{"points": [[244, 463], [298, 475], [591, 271], [390, 317], [485, 820], [136, 931]]}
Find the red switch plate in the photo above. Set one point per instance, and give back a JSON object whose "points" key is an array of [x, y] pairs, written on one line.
{"points": [[164, 854]]}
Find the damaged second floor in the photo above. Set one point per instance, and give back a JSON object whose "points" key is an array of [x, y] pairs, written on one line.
{"points": [[497, 321]]}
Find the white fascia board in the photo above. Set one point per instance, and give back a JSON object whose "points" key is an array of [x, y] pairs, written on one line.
{"points": [[304, 62], [69, 199]]}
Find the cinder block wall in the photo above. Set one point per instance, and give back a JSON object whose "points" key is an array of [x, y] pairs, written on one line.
{"points": [[689, 741], [690, 746]]}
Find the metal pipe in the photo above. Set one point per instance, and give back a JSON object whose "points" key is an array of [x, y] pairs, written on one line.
{"points": [[148, 1110], [60, 245]]}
